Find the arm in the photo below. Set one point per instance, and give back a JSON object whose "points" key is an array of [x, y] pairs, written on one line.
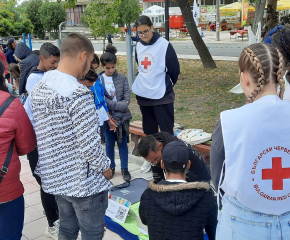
{"points": [[210, 228], [25, 140], [84, 118], [142, 209], [217, 154], [172, 64], [32, 80]]}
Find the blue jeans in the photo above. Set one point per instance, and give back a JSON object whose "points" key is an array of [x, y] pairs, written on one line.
{"points": [[82, 213], [110, 138], [11, 219], [238, 222]]}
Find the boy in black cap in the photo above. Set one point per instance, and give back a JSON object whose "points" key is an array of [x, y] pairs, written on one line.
{"points": [[174, 209]]}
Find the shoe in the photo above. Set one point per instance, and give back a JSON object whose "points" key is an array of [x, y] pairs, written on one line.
{"points": [[56, 223], [51, 232], [126, 175], [146, 167], [113, 172]]}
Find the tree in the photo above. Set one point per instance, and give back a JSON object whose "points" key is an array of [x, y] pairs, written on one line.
{"points": [[5, 27], [202, 49], [24, 27], [33, 14], [259, 13], [100, 17], [128, 12], [272, 15], [51, 15]]}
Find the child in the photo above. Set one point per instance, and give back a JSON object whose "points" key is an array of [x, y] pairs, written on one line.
{"points": [[117, 96], [49, 57], [99, 93], [253, 142], [15, 74], [175, 209]]}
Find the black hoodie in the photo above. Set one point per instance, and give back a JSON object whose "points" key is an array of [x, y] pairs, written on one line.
{"points": [[172, 72], [178, 211], [28, 60]]}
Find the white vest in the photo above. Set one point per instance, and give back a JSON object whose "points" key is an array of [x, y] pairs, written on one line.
{"points": [[257, 155], [150, 82]]}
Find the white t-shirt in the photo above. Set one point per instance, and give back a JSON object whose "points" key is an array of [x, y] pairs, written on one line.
{"points": [[32, 80], [110, 87]]}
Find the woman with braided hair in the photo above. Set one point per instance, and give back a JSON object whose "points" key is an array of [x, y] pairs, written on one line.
{"points": [[251, 147]]}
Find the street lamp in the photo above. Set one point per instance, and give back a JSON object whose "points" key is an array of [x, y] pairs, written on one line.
{"points": [[60, 28]]}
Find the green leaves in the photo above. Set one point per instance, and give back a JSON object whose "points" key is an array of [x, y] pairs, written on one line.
{"points": [[51, 15], [33, 15], [128, 12]]}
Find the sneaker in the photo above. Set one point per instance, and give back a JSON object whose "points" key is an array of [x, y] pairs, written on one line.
{"points": [[126, 175], [51, 232], [146, 167], [56, 223], [113, 172]]}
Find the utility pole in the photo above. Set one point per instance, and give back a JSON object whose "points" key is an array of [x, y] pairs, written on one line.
{"points": [[167, 20], [217, 26]]}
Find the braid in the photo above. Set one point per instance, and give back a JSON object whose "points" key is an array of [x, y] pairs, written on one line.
{"points": [[280, 74], [261, 75]]}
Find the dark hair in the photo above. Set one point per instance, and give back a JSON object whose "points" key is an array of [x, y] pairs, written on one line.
{"points": [[169, 170], [147, 144], [3, 86], [47, 49], [109, 56], [91, 76], [15, 70], [143, 20], [96, 59], [75, 43], [36, 52], [265, 64], [9, 43]]}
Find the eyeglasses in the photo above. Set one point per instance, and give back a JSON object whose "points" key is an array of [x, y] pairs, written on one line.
{"points": [[144, 33]]}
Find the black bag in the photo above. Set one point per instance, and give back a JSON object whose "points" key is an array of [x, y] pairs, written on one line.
{"points": [[5, 166]]}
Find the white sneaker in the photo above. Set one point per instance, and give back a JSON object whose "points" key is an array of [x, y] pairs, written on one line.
{"points": [[56, 223], [51, 232], [146, 167]]}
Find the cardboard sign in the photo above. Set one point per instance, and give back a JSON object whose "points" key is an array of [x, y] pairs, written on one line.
{"points": [[117, 211]]}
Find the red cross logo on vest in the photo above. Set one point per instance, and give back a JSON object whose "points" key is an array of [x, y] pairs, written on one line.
{"points": [[276, 174], [146, 63]]}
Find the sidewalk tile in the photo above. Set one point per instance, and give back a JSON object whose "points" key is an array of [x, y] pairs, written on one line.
{"points": [[28, 177], [32, 213], [24, 238], [30, 188], [32, 198], [35, 229]]}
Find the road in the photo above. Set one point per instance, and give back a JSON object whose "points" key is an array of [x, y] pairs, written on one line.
{"points": [[184, 47]]}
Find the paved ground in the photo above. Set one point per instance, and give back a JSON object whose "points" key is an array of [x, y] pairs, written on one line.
{"points": [[35, 222]]}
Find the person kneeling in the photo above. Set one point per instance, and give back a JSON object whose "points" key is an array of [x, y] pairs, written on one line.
{"points": [[175, 209]]}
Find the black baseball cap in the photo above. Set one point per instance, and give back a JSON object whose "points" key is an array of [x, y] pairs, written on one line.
{"points": [[175, 155]]}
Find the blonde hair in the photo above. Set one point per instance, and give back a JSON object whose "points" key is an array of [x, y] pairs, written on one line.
{"points": [[265, 64]]}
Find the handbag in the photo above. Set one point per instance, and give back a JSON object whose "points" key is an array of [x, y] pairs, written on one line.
{"points": [[5, 166]]}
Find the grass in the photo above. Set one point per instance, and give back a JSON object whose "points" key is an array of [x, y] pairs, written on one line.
{"points": [[200, 94]]}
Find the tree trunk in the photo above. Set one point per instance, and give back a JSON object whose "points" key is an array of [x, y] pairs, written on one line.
{"points": [[272, 15], [259, 13], [122, 36], [202, 49], [104, 44]]}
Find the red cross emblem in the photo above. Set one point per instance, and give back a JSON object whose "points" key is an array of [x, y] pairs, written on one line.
{"points": [[146, 63], [277, 173]]}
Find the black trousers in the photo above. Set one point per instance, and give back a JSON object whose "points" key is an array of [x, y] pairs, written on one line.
{"points": [[161, 116], [48, 200]]}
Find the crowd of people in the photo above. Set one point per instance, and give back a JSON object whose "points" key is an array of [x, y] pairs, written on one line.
{"points": [[70, 110]]}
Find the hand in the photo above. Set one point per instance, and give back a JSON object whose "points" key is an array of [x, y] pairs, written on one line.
{"points": [[115, 121], [14, 87], [112, 125], [108, 173]]}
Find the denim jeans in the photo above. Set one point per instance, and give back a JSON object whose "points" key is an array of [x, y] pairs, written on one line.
{"points": [[82, 213], [238, 222], [110, 138], [11, 219]]}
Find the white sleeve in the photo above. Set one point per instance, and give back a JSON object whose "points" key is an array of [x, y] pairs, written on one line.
{"points": [[32, 80], [28, 109]]}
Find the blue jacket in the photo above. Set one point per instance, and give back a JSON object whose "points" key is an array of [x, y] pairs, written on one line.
{"points": [[99, 94], [9, 56]]}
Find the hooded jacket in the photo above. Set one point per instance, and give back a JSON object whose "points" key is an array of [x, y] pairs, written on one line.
{"points": [[14, 124], [71, 158], [175, 211], [28, 60], [172, 72]]}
